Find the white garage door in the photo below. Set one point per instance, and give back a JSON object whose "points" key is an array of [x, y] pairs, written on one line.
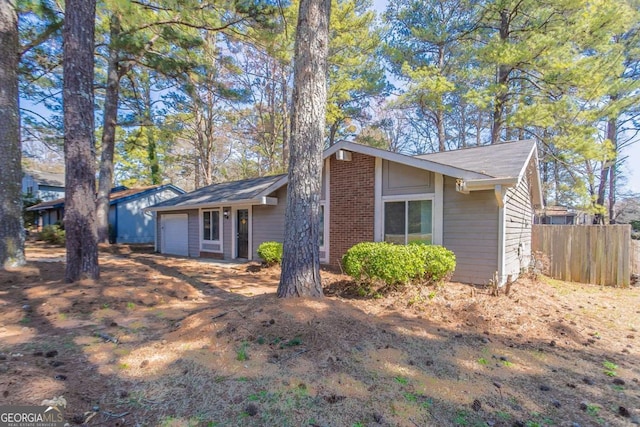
{"points": [[175, 234]]}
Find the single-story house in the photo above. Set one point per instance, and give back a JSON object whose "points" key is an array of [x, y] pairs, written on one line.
{"points": [[478, 202], [128, 222], [561, 215], [43, 186]]}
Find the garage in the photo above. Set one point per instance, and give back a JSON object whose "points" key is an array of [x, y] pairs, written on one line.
{"points": [[175, 233]]}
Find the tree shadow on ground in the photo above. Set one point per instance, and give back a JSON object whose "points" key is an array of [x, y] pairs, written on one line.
{"points": [[189, 351]]}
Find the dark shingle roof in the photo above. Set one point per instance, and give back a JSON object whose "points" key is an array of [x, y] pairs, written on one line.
{"points": [[114, 197], [502, 160], [47, 178], [247, 189]]}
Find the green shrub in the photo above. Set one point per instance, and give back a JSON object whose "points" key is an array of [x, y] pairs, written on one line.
{"points": [[439, 262], [398, 264], [53, 234], [270, 252]]}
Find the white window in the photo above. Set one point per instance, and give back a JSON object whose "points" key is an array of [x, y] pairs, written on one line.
{"points": [[408, 221], [211, 225]]}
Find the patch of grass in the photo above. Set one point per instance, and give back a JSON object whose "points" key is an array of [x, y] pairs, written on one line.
{"points": [[416, 300], [25, 321], [291, 343], [130, 306], [241, 353], [483, 361], [402, 380], [123, 366], [104, 306], [261, 340], [256, 397], [410, 397], [62, 316], [461, 418], [506, 363], [610, 368], [593, 410], [503, 415]]}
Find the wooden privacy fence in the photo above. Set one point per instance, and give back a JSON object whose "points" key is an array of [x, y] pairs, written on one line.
{"points": [[597, 254], [635, 257]]}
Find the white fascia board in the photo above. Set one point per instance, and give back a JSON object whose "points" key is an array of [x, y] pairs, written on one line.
{"points": [[486, 184], [264, 200], [538, 199], [275, 186], [404, 159]]}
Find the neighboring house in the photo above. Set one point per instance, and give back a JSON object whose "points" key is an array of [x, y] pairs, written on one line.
{"points": [[43, 186], [128, 222], [479, 202], [556, 215]]}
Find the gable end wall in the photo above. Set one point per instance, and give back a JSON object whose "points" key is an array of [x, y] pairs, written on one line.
{"points": [[518, 219]]}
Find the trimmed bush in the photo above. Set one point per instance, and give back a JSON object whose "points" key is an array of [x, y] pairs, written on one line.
{"points": [[398, 264], [439, 262], [270, 252], [53, 234]]}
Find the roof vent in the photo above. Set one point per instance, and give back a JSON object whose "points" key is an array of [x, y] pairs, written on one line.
{"points": [[343, 155]]}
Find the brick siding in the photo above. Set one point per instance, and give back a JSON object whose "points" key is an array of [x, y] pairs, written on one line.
{"points": [[352, 204]]}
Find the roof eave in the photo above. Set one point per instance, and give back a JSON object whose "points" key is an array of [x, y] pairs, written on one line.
{"points": [[467, 186], [407, 160], [260, 200]]}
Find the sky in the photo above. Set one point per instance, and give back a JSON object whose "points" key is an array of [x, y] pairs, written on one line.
{"points": [[631, 167]]}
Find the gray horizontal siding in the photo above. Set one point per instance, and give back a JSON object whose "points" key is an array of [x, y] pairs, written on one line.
{"points": [[470, 230], [518, 218], [268, 221], [194, 233], [227, 224]]}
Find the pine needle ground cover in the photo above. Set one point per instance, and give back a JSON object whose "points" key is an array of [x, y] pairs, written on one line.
{"points": [[162, 341]]}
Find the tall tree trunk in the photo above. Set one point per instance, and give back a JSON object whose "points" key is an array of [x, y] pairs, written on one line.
{"points": [[612, 134], [79, 143], [502, 79], [442, 136], [285, 119], [147, 124], [333, 131], [606, 172], [441, 133], [11, 225], [301, 259], [110, 117]]}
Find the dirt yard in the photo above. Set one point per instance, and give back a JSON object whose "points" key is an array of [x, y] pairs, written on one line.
{"points": [[164, 341]]}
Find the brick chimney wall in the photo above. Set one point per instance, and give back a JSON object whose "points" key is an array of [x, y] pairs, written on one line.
{"points": [[352, 205]]}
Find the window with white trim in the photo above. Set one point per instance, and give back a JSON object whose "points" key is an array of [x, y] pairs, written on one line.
{"points": [[211, 225], [408, 221]]}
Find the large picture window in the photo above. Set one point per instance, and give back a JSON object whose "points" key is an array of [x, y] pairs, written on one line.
{"points": [[211, 225], [408, 221]]}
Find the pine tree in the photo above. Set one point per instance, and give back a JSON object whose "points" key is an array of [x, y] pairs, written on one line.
{"points": [[79, 144], [11, 224], [301, 257]]}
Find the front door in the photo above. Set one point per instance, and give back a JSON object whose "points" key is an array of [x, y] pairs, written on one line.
{"points": [[243, 233]]}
